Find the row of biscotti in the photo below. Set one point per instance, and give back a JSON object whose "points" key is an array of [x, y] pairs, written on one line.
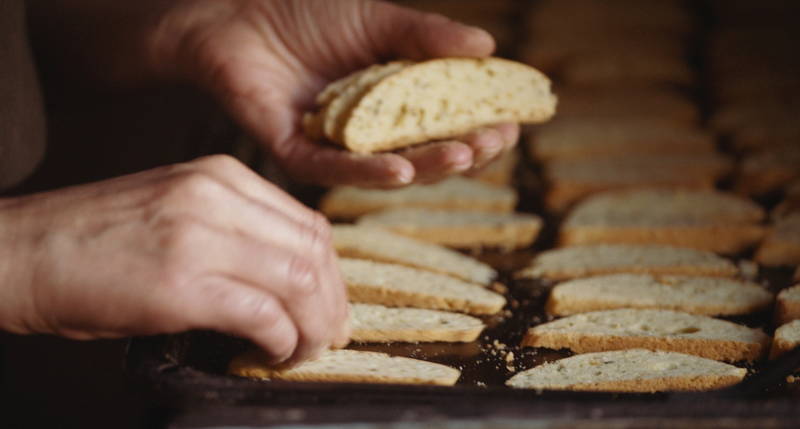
{"points": [[602, 278], [598, 42], [672, 331], [399, 285], [401, 290], [626, 117], [755, 83]]}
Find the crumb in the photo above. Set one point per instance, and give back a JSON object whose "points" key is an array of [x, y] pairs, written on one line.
{"points": [[480, 384], [510, 357], [791, 379], [499, 287], [514, 304], [749, 269]]}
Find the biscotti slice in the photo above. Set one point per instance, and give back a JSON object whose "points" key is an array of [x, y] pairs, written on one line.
{"points": [[769, 169], [349, 366], [570, 180], [379, 324], [459, 229], [340, 97], [455, 193], [398, 286], [584, 261], [614, 103], [634, 370], [653, 330], [788, 304], [432, 100], [577, 138], [710, 296], [782, 244], [787, 337], [626, 68], [377, 244], [700, 219]]}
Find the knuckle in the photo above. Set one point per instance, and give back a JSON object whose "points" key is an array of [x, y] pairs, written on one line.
{"points": [[262, 309], [302, 276], [222, 162], [195, 187]]}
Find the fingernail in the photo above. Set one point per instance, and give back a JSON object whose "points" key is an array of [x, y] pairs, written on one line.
{"points": [[404, 176]]}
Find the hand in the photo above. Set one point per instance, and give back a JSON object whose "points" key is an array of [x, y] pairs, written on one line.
{"points": [[202, 245], [266, 60]]}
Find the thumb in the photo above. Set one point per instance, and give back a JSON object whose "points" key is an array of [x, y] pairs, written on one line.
{"points": [[402, 32]]}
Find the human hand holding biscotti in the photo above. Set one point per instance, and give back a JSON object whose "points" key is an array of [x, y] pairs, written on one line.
{"points": [[266, 60], [202, 245]]}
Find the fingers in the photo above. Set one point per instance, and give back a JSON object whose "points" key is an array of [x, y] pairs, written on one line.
{"points": [[406, 33], [312, 162], [257, 245], [434, 161], [262, 281], [227, 306]]}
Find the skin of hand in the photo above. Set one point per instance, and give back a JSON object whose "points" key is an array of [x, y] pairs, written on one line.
{"points": [[266, 60], [202, 245]]}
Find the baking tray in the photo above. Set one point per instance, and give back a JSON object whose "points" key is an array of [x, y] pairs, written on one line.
{"points": [[186, 372]]}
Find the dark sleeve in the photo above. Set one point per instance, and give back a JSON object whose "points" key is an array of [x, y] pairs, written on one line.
{"points": [[22, 124]]}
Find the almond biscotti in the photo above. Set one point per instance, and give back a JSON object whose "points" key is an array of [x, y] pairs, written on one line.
{"points": [[626, 68], [378, 324], [700, 219], [782, 244], [459, 229], [384, 246], [570, 180], [584, 261], [455, 193], [633, 370], [710, 296], [401, 104], [349, 366], [570, 139], [614, 103], [398, 286], [653, 330], [787, 337], [788, 304], [769, 170]]}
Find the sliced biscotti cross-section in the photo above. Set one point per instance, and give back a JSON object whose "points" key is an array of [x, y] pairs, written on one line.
{"points": [[380, 324], [349, 366], [340, 96], [786, 338], [455, 193], [570, 180], [705, 220], [398, 286], [384, 246], [653, 330], [635, 370], [584, 261], [788, 305], [438, 99], [459, 229], [710, 296]]}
